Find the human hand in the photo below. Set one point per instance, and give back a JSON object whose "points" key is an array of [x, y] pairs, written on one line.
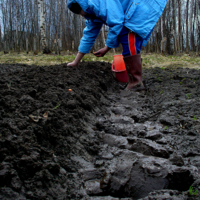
{"points": [[101, 52], [77, 60], [72, 64]]}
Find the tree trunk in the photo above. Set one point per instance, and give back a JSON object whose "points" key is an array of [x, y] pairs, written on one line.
{"points": [[156, 39], [57, 28], [27, 45], [163, 46], [174, 23], [180, 41], [10, 33], [197, 26], [163, 33], [17, 19], [42, 12], [35, 45], [76, 40], [49, 24], [191, 33], [187, 38]]}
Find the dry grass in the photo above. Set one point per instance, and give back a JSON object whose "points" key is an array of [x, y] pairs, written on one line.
{"points": [[149, 60], [174, 61]]}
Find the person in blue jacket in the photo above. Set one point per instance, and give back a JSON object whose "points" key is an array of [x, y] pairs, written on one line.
{"points": [[130, 23]]}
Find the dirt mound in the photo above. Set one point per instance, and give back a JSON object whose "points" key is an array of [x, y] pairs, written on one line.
{"points": [[71, 133]]}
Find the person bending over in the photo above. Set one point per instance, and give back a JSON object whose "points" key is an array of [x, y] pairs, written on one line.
{"points": [[130, 23]]}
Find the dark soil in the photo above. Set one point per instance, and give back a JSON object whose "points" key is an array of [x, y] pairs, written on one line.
{"points": [[71, 133]]}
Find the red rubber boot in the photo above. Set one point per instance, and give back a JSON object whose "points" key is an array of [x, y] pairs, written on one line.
{"points": [[134, 69]]}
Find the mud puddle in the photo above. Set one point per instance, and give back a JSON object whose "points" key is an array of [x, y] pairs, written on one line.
{"points": [[71, 133]]}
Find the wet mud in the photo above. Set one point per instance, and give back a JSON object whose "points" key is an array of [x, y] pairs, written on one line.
{"points": [[71, 133]]}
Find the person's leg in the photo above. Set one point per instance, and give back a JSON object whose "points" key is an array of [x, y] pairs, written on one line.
{"points": [[132, 44]]}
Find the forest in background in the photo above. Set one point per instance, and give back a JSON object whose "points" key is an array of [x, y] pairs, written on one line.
{"points": [[47, 25]]}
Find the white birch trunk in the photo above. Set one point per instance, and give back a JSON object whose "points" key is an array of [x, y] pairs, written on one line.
{"points": [[197, 26], [161, 24], [17, 10], [191, 24], [41, 9], [180, 42], [187, 35], [174, 18], [163, 45], [60, 45]]}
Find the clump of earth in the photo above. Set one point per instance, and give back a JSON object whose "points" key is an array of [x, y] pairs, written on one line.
{"points": [[72, 133]]}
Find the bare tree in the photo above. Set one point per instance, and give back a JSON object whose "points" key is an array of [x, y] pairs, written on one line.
{"points": [[174, 24], [36, 29], [17, 19], [191, 25], [180, 35], [197, 25], [42, 13], [27, 22], [187, 36]]}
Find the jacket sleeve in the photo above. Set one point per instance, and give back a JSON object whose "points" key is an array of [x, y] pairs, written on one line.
{"points": [[115, 21], [90, 34]]}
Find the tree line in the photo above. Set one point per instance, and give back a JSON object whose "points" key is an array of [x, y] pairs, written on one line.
{"points": [[47, 25]]}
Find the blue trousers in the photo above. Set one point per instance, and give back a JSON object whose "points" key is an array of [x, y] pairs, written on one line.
{"points": [[131, 42]]}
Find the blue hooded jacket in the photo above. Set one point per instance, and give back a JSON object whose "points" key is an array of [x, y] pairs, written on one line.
{"points": [[140, 16]]}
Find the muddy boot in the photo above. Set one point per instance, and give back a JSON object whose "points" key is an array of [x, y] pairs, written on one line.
{"points": [[134, 69]]}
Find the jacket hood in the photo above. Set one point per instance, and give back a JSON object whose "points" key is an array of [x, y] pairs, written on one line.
{"points": [[82, 3]]}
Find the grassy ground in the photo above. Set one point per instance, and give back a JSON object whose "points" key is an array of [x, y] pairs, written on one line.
{"points": [[149, 60]]}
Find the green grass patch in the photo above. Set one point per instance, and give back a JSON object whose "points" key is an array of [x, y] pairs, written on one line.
{"points": [[166, 127], [188, 96], [58, 105], [149, 60], [192, 192]]}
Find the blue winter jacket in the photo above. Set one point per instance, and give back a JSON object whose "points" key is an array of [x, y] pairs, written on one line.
{"points": [[140, 16]]}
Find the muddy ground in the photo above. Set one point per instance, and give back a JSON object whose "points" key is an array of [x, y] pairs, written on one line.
{"points": [[96, 141]]}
